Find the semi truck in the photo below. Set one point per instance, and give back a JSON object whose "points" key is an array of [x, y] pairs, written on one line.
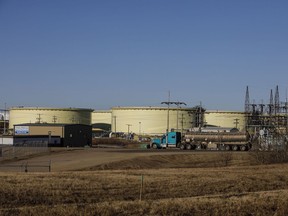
{"points": [[203, 140], [169, 140]]}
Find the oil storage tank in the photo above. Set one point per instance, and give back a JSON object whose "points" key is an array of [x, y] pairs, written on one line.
{"points": [[229, 119], [151, 120], [23, 115], [101, 117], [101, 122]]}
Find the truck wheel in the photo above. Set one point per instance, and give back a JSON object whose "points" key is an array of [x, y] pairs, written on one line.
{"points": [[182, 146], [235, 148], [188, 147], [220, 147], [154, 146], [243, 147], [227, 148]]}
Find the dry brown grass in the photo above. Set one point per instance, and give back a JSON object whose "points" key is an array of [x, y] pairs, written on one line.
{"points": [[235, 190], [182, 183], [183, 160]]}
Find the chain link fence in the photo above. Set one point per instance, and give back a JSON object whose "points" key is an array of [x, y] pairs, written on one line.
{"points": [[9, 155]]}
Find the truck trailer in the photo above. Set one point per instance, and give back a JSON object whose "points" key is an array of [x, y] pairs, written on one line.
{"points": [[203, 140]]}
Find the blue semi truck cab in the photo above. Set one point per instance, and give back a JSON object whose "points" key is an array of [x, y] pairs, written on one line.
{"points": [[171, 139]]}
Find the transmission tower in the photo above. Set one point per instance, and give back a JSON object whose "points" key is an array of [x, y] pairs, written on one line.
{"points": [[277, 100], [247, 101], [271, 104], [261, 106]]}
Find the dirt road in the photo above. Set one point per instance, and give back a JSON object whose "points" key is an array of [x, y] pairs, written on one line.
{"points": [[77, 159]]}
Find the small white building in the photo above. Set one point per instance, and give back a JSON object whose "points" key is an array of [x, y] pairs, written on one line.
{"points": [[6, 140]]}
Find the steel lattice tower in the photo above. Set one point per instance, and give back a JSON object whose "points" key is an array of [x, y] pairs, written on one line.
{"points": [[271, 104], [277, 100], [247, 101]]}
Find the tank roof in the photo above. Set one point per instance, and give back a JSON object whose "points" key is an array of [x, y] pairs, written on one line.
{"points": [[51, 108], [151, 108], [102, 111], [224, 111], [47, 124]]}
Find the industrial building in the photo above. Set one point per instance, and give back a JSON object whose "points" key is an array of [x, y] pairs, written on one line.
{"points": [[67, 135], [23, 115]]}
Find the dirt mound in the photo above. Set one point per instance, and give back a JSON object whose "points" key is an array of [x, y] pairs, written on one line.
{"points": [[172, 161], [114, 142]]}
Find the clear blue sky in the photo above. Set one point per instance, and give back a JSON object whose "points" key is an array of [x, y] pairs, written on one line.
{"points": [[104, 53]]}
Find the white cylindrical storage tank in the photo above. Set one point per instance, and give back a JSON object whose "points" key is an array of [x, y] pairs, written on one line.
{"points": [[150, 120], [229, 119], [22, 115], [101, 117], [101, 120]]}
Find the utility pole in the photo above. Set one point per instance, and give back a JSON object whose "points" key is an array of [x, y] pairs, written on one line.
{"points": [[236, 122], [168, 103], [200, 117], [114, 119], [178, 107], [128, 129], [168, 106], [39, 118], [54, 119], [182, 123], [4, 132]]}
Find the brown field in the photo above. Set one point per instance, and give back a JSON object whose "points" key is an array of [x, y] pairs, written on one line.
{"points": [[108, 182]]}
